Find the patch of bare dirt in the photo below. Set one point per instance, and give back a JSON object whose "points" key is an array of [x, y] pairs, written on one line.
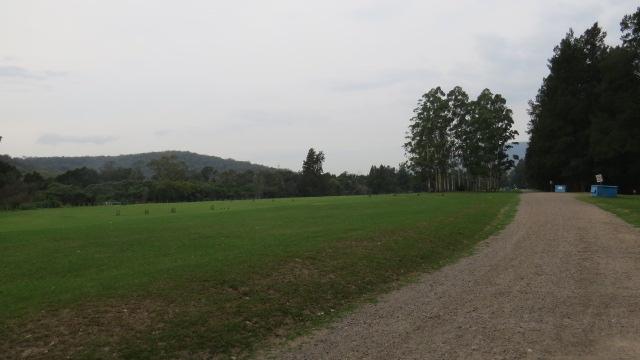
{"points": [[65, 333]]}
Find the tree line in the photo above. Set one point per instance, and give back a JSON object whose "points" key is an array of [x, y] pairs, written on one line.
{"points": [[172, 181], [585, 119], [455, 143]]}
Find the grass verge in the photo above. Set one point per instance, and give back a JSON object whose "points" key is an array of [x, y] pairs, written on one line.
{"points": [[626, 207]]}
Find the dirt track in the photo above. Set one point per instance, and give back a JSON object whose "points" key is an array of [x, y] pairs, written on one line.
{"points": [[561, 282]]}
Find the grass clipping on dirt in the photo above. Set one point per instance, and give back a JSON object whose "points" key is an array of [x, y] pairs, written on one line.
{"points": [[217, 278], [626, 207]]}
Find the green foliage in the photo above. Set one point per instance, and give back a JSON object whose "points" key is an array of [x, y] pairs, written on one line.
{"points": [[9, 174], [168, 168], [12, 191], [110, 172], [429, 144], [383, 180], [79, 177], [33, 177], [199, 283], [449, 134], [630, 27], [486, 136], [207, 173], [58, 193]]}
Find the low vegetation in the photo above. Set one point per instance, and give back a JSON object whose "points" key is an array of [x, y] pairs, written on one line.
{"points": [[626, 206], [217, 278]]}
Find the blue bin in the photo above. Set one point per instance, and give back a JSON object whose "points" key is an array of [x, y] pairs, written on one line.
{"points": [[561, 188], [604, 191]]}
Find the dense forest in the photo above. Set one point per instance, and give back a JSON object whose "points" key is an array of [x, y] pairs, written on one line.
{"points": [[585, 119]]}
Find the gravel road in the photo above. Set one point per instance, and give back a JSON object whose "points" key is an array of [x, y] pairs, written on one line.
{"points": [[561, 282]]}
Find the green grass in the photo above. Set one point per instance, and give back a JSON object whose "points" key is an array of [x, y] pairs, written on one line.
{"points": [[89, 283], [625, 206]]}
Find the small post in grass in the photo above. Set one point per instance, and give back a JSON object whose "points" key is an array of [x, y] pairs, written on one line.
{"points": [[146, 211], [173, 210]]}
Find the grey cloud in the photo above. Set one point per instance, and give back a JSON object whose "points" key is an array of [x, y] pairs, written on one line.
{"points": [[379, 11], [516, 66], [55, 139], [386, 79], [162, 132], [262, 117], [13, 71]]}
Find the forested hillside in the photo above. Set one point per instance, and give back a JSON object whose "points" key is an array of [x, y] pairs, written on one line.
{"points": [[59, 164]]}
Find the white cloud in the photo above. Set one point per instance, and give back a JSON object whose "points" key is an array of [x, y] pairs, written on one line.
{"points": [[57, 139]]}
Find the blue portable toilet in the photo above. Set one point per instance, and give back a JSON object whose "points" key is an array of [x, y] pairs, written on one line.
{"points": [[604, 191], [561, 188]]}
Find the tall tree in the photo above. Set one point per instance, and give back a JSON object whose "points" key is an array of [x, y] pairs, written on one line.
{"points": [[312, 182], [491, 122], [630, 27], [560, 115], [615, 122], [459, 111], [430, 144]]}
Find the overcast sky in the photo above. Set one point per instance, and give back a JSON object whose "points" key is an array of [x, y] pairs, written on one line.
{"points": [[264, 80]]}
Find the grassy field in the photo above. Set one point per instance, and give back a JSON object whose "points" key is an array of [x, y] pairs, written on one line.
{"points": [[217, 278], [625, 206]]}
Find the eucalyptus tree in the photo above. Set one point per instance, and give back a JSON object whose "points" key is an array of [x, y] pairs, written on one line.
{"points": [[451, 138], [464, 140], [492, 123], [430, 144]]}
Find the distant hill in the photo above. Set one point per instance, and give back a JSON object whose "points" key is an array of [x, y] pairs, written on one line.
{"points": [[59, 164], [519, 149]]}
